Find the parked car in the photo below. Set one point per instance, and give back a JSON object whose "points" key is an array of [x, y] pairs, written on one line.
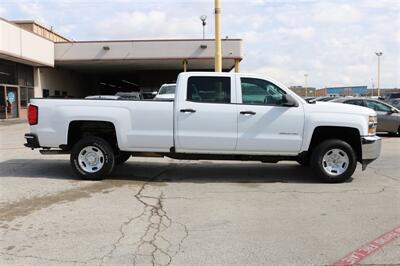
{"points": [[166, 92], [325, 98], [214, 116], [133, 95], [388, 116], [103, 97], [393, 99]]}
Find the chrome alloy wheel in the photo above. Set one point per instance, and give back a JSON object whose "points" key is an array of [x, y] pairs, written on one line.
{"points": [[91, 159], [335, 162]]}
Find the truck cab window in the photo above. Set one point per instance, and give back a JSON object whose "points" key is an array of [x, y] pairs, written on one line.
{"points": [[260, 92], [209, 89]]}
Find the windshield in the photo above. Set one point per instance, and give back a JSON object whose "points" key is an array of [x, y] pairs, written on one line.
{"points": [[167, 89]]}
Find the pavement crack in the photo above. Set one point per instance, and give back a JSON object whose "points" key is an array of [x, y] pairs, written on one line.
{"points": [[122, 236], [153, 243], [41, 258], [156, 245]]}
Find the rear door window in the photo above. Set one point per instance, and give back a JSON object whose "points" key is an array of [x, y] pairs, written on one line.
{"points": [[209, 89]]}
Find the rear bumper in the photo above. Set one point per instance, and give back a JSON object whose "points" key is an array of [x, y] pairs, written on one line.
{"points": [[32, 141], [371, 149]]}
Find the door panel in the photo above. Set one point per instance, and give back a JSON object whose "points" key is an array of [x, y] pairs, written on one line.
{"points": [[206, 118], [271, 129], [212, 127], [386, 120], [264, 124]]}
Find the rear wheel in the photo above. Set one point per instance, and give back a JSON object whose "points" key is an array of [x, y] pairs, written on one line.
{"points": [[334, 161], [92, 158]]}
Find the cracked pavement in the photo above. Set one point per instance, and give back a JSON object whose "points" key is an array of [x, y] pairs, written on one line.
{"points": [[165, 212]]}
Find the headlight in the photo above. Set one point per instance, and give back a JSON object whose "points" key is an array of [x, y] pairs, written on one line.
{"points": [[372, 123]]}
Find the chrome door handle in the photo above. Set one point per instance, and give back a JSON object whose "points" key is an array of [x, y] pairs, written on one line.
{"points": [[247, 113], [188, 111]]}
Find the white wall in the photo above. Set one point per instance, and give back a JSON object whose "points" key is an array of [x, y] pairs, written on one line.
{"points": [[59, 79], [24, 45]]}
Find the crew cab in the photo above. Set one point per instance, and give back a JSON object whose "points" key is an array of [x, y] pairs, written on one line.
{"points": [[214, 116]]}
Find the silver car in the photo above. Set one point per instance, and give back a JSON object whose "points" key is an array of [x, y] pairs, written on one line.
{"points": [[388, 116]]}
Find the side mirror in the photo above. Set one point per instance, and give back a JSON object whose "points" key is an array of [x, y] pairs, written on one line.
{"points": [[289, 101], [392, 111]]}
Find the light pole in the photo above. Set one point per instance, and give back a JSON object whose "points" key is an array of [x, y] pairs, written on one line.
{"points": [[305, 83], [218, 49], [379, 54], [372, 84], [203, 22]]}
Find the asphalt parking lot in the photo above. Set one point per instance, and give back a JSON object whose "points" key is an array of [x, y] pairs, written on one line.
{"points": [[160, 211]]}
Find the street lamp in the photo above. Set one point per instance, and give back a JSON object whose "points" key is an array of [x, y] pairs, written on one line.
{"points": [[379, 54], [203, 22], [305, 83], [372, 84]]}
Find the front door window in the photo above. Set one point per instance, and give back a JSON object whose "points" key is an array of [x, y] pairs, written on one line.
{"points": [[260, 92]]}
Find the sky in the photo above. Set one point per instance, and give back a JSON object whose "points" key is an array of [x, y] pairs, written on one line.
{"points": [[332, 41]]}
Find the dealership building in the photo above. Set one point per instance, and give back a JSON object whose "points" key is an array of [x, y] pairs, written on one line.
{"points": [[35, 61]]}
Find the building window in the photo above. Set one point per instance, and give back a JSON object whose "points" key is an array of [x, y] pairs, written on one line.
{"points": [[26, 94], [64, 94], [56, 93], [25, 75], [8, 72], [46, 93]]}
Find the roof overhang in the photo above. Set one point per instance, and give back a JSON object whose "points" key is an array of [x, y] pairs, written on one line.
{"points": [[123, 56]]}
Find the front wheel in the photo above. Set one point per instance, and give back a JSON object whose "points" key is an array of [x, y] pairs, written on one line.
{"points": [[334, 161], [92, 158]]}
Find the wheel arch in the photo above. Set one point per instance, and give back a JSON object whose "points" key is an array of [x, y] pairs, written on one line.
{"points": [[79, 129], [348, 134]]}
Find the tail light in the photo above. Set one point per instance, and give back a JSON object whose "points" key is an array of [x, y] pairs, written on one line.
{"points": [[33, 114]]}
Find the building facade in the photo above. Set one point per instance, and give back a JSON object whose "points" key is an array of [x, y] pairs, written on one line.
{"points": [[347, 91], [304, 91], [35, 61]]}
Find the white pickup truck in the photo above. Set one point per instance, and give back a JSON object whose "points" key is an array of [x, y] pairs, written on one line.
{"points": [[214, 116]]}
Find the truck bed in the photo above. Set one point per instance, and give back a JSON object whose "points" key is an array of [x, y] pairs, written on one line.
{"points": [[138, 121]]}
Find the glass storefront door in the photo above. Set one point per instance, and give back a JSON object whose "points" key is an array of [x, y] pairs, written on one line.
{"points": [[12, 102], [9, 102], [3, 104]]}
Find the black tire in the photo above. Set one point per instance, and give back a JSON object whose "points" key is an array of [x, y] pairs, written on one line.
{"points": [[106, 158], [122, 157], [304, 161], [395, 134], [325, 147]]}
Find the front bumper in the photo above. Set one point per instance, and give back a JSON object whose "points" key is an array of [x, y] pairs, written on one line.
{"points": [[371, 149], [32, 141]]}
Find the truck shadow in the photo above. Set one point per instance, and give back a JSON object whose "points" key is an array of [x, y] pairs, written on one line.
{"points": [[168, 171]]}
